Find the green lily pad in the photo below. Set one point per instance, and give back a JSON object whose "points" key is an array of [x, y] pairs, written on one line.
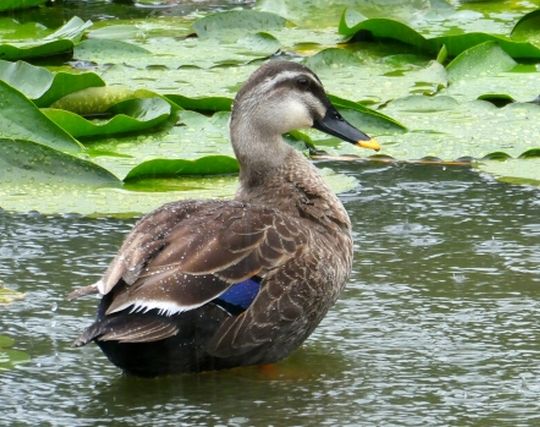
{"points": [[528, 28], [7, 296], [8, 357], [97, 100], [208, 165], [29, 162], [513, 171], [135, 198], [222, 82], [360, 75], [355, 25], [19, 4], [14, 106], [209, 104], [60, 41], [104, 51], [195, 136], [172, 53], [444, 128], [365, 118], [487, 72], [42, 86], [133, 115], [237, 21], [484, 59]]}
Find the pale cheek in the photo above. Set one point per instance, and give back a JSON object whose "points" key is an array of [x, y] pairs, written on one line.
{"points": [[295, 116]]}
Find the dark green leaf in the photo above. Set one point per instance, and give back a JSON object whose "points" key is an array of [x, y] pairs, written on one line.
{"points": [[61, 41], [97, 100], [19, 4], [29, 162], [21, 119], [238, 21], [42, 86], [133, 115], [481, 60], [208, 165], [207, 104], [528, 28]]}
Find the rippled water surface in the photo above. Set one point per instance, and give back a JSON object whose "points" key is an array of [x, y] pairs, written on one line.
{"points": [[439, 325]]}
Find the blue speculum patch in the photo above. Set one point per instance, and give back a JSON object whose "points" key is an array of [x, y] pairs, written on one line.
{"points": [[242, 294]]}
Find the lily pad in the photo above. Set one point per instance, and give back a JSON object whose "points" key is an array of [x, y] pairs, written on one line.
{"points": [[209, 165], [237, 21], [223, 81], [209, 104], [97, 100], [365, 118], [135, 198], [497, 79], [513, 171], [133, 115], [376, 78], [7, 296], [172, 53], [8, 357], [195, 136], [29, 162], [42, 86], [357, 27], [19, 4], [482, 60], [444, 128], [528, 28], [58, 42], [35, 126]]}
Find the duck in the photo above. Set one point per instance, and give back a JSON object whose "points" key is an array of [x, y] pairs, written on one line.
{"points": [[202, 285]]}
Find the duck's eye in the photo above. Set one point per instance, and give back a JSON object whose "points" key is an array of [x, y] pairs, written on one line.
{"points": [[302, 83]]}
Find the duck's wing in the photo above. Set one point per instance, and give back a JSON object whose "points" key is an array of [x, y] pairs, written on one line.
{"points": [[186, 254]]}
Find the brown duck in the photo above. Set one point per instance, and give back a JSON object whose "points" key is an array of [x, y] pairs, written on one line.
{"points": [[210, 284]]}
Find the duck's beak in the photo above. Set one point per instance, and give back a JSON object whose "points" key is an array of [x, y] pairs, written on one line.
{"points": [[334, 124]]}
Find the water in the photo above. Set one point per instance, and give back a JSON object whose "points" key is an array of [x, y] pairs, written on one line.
{"points": [[439, 325]]}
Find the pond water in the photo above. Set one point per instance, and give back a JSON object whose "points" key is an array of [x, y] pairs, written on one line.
{"points": [[439, 325]]}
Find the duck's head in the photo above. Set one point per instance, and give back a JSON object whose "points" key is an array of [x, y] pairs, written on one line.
{"points": [[282, 96]]}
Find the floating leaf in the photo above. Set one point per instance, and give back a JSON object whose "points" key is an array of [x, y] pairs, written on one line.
{"points": [[194, 136], [172, 53], [356, 26], [61, 41], [365, 118], [238, 21], [484, 59], [514, 171], [43, 86], [209, 165], [9, 357], [7, 296], [208, 104], [28, 162], [19, 4], [528, 28], [104, 51], [21, 119], [97, 100], [360, 76], [519, 84], [133, 115], [443, 128]]}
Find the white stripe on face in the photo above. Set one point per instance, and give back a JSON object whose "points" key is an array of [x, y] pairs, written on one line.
{"points": [[283, 76]]}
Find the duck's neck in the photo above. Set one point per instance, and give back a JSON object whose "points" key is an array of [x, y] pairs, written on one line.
{"points": [[273, 174]]}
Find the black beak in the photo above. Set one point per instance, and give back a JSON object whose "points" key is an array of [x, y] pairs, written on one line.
{"points": [[334, 124]]}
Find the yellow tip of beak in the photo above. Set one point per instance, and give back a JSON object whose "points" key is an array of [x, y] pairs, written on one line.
{"points": [[372, 143]]}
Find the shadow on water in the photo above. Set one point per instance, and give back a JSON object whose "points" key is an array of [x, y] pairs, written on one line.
{"points": [[439, 324]]}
